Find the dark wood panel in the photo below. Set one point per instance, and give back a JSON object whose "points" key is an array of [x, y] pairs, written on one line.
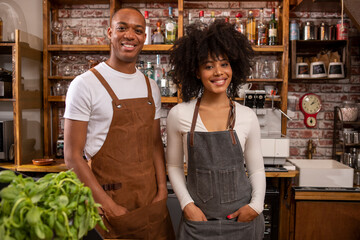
{"points": [[327, 220]]}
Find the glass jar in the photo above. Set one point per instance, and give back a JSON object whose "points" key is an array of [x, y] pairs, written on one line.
{"points": [[349, 111]]}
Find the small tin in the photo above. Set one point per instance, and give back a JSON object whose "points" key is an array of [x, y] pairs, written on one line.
{"points": [[342, 30], [309, 31], [294, 30], [356, 137], [324, 31], [332, 32]]}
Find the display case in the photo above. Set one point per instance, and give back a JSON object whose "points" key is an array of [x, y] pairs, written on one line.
{"points": [[21, 103]]}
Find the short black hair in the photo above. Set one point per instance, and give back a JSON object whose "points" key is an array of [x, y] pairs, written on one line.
{"points": [[218, 39], [128, 7]]}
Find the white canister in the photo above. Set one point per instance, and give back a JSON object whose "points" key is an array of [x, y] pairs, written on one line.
{"points": [[317, 70], [336, 70], [302, 70]]}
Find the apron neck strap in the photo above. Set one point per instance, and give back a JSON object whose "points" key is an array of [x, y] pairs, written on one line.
{"points": [[111, 92], [105, 84], [230, 121]]}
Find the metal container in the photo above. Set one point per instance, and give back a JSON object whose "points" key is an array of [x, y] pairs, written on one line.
{"points": [[342, 30], [332, 32], [294, 30], [324, 33], [309, 31]]}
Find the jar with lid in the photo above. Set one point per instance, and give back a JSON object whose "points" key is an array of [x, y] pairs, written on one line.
{"points": [[348, 111]]}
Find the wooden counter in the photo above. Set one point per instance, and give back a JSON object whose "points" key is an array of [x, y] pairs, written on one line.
{"points": [[326, 214]]}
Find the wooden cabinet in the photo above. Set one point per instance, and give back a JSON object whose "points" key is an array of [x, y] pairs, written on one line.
{"points": [[312, 48], [54, 10], [326, 215], [23, 58]]}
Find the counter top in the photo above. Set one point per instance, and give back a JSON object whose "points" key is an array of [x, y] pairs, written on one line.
{"points": [[332, 194]]}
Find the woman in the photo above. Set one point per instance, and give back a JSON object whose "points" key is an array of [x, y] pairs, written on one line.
{"points": [[216, 136]]}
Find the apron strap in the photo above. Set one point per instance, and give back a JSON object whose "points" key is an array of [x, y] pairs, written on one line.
{"points": [[196, 112], [148, 88], [111, 92], [106, 86], [230, 122]]}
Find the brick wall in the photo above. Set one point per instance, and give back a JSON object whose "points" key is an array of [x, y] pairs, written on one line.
{"points": [[332, 93]]}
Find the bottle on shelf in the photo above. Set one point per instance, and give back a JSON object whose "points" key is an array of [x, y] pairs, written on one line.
{"points": [[212, 17], [239, 24], [226, 16], [141, 67], [170, 28], [1, 29], [149, 71], [158, 71], [147, 29], [164, 87], [158, 37], [261, 30], [251, 27], [201, 21], [273, 29]]}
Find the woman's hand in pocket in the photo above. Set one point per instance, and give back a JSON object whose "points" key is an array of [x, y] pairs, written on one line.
{"points": [[114, 210], [193, 213], [244, 214]]}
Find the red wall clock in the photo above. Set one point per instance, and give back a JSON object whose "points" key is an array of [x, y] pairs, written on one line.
{"points": [[310, 106]]}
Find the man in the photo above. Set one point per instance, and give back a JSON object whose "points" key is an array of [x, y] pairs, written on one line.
{"points": [[110, 116]]}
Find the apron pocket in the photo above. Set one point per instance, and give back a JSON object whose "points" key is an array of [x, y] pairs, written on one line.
{"points": [[200, 229], [233, 229], [229, 185], [204, 188], [132, 224], [159, 220]]}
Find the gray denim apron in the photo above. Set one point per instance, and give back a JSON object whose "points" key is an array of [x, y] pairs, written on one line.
{"points": [[218, 184]]}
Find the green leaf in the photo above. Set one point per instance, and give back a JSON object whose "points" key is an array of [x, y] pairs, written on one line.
{"points": [[51, 219], [33, 216], [63, 200], [9, 193], [39, 231], [60, 229], [7, 176], [48, 232]]}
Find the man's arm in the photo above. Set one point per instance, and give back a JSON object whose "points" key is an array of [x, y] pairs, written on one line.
{"points": [[74, 142], [159, 162]]}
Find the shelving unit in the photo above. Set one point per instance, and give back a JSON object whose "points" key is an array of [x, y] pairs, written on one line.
{"points": [[23, 58], [340, 146], [52, 47], [310, 48]]}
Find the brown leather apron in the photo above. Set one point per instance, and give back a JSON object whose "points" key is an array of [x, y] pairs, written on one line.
{"points": [[124, 167]]}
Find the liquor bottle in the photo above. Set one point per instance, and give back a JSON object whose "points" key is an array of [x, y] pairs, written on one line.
{"points": [[239, 24], [149, 71], [201, 21], [226, 16], [251, 28], [164, 89], [1, 29], [158, 37], [273, 29], [212, 17], [141, 67], [158, 73], [170, 28], [261, 30], [147, 29]]}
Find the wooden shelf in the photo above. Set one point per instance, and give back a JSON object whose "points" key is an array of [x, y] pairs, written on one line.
{"points": [[169, 100], [8, 165], [265, 80], [59, 166], [56, 98], [104, 48], [7, 100], [276, 48], [78, 48], [61, 77]]}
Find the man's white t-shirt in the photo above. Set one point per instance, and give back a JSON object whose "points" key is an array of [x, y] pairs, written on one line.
{"points": [[88, 100]]}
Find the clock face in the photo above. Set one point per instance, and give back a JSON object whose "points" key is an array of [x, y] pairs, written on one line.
{"points": [[311, 104], [311, 122]]}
